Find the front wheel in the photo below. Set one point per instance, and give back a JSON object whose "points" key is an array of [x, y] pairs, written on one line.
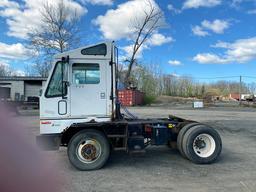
{"points": [[88, 150], [202, 144]]}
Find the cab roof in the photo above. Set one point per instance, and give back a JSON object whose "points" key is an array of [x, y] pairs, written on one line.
{"points": [[100, 51]]}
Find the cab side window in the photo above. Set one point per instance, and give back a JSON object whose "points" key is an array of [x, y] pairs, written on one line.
{"points": [[100, 49], [84, 73]]}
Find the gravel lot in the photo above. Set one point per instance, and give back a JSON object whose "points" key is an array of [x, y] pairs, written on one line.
{"points": [[163, 169]]}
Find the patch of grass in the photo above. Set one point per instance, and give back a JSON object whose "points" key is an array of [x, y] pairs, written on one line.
{"points": [[149, 99]]}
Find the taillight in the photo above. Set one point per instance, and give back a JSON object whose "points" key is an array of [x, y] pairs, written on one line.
{"points": [[148, 129]]}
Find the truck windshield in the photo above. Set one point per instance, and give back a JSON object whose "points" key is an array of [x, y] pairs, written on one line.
{"points": [[55, 87]]}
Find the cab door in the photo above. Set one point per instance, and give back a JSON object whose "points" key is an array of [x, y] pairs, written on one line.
{"points": [[54, 103], [88, 90]]}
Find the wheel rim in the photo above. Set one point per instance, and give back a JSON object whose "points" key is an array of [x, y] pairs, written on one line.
{"points": [[88, 151], [204, 145]]}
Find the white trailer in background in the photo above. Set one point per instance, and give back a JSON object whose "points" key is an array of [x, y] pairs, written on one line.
{"points": [[79, 109]]}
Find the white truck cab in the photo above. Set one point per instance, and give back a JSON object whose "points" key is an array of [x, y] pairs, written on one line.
{"points": [[79, 109], [80, 88]]}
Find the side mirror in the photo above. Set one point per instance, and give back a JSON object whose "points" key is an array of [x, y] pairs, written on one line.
{"points": [[40, 92], [65, 85]]}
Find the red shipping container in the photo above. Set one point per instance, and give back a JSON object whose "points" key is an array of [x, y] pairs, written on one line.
{"points": [[129, 97]]}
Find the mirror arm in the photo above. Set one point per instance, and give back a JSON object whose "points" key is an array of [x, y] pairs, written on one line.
{"points": [[65, 59], [65, 84]]}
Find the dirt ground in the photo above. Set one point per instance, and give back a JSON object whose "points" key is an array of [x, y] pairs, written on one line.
{"points": [[163, 169]]}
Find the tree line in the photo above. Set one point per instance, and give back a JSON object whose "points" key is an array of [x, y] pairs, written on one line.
{"points": [[151, 80]]}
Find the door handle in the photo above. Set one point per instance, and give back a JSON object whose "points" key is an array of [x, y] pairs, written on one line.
{"points": [[62, 107]]}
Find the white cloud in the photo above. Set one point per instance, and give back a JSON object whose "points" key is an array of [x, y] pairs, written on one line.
{"points": [[14, 51], [253, 11], [116, 23], [188, 4], [217, 26], [240, 51], [175, 62], [208, 58], [171, 8], [198, 31], [99, 2], [221, 44], [21, 19], [158, 39], [7, 3], [129, 50]]}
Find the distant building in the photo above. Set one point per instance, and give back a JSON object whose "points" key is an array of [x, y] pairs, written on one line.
{"points": [[236, 96], [20, 88]]}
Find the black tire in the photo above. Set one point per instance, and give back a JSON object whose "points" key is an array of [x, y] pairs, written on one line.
{"points": [[77, 141], [188, 142], [181, 135]]}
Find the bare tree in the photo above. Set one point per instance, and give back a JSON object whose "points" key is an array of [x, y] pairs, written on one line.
{"points": [[58, 33], [252, 88], [4, 70], [142, 32]]}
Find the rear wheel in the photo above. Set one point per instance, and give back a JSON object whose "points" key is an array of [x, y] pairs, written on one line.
{"points": [[88, 150], [181, 135], [202, 144]]}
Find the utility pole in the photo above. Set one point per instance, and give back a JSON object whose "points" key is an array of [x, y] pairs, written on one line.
{"points": [[240, 91]]}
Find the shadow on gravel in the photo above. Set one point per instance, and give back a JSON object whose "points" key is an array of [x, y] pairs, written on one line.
{"points": [[162, 157], [153, 156]]}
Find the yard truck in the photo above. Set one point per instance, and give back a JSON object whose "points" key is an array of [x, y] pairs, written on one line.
{"points": [[80, 110]]}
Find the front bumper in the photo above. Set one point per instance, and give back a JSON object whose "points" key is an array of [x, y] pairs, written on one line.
{"points": [[48, 142]]}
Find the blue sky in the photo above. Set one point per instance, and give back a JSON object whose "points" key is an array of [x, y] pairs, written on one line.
{"points": [[202, 38]]}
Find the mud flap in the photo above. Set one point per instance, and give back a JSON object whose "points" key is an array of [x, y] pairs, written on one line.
{"points": [[49, 142]]}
